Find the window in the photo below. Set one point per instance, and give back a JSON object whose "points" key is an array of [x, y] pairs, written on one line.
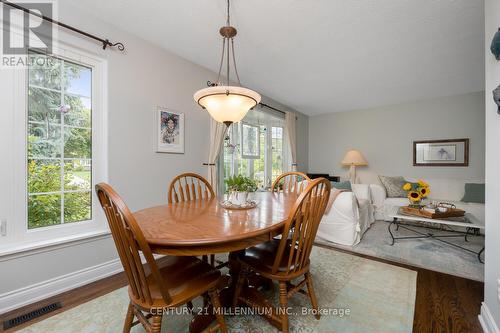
{"points": [[55, 139], [262, 164], [250, 141], [59, 150]]}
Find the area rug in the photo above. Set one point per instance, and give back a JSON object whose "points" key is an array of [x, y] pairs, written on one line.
{"points": [[359, 295], [424, 253]]}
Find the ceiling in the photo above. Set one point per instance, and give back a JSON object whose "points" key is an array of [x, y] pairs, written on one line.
{"points": [[321, 56]]}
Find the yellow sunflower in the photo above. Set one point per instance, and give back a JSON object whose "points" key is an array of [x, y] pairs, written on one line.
{"points": [[407, 187], [422, 183], [414, 196], [424, 192]]}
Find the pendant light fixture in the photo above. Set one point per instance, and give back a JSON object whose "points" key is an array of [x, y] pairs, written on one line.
{"points": [[226, 103]]}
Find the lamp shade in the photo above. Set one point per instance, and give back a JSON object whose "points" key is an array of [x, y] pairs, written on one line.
{"points": [[227, 104], [354, 157]]}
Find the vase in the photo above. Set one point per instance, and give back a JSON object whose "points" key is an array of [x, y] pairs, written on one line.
{"points": [[238, 198], [416, 204]]}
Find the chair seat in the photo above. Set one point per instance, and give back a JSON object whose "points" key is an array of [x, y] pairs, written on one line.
{"points": [[185, 277], [261, 257]]}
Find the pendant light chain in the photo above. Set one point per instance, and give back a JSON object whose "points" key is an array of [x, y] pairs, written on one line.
{"points": [[232, 48], [228, 23], [221, 61], [234, 62], [229, 53]]}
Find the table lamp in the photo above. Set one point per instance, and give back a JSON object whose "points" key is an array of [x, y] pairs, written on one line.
{"points": [[352, 159]]}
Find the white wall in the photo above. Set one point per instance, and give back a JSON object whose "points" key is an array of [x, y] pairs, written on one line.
{"points": [[142, 78], [385, 136], [490, 312], [302, 128]]}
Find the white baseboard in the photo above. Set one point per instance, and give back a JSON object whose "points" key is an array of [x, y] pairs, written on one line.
{"points": [[42, 290], [486, 319]]}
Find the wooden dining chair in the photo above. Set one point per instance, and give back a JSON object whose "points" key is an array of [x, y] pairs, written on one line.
{"points": [[190, 187], [286, 259], [290, 182], [155, 287]]}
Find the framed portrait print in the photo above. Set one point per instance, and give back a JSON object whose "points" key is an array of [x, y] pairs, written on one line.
{"points": [[250, 141], [170, 131], [453, 152]]}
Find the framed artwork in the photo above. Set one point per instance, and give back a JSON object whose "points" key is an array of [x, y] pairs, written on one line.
{"points": [[250, 141], [170, 131], [454, 152]]}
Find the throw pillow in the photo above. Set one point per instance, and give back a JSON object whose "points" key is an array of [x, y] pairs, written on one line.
{"points": [[346, 185], [474, 193], [393, 186]]}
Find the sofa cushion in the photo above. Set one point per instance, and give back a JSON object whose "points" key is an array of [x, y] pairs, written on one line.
{"points": [[397, 201], [474, 193], [394, 186], [346, 185]]}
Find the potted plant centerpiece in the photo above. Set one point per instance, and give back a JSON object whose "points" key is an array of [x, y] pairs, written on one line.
{"points": [[238, 188]]}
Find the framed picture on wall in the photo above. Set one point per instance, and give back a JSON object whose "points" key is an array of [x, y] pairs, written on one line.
{"points": [[454, 152], [170, 131]]}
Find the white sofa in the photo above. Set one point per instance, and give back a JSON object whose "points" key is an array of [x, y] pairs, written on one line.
{"points": [[442, 190], [351, 214]]}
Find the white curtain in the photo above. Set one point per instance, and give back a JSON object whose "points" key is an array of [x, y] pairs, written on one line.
{"points": [[217, 132], [291, 137]]}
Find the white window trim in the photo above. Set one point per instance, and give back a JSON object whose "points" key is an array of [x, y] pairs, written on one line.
{"points": [[18, 237]]}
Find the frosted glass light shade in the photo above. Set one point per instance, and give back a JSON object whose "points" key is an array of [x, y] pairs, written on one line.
{"points": [[354, 157], [227, 103]]}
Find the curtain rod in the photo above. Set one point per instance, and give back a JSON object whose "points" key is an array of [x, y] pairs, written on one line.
{"points": [[271, 107], [105, 42]]}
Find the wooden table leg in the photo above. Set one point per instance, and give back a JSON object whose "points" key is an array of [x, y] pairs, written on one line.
{"points": [[202, 320]]}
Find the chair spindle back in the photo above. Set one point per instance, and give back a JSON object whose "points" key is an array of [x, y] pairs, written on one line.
{"points": [[130, 242], [290, 182], [188, 187], [302, 225]]}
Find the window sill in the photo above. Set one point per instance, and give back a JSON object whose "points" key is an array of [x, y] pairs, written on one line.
{"points": [[13, 251]]}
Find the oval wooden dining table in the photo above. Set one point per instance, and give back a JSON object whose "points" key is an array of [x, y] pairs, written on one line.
{"points": [[204, 227]]}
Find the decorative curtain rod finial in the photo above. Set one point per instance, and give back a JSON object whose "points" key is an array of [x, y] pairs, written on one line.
{"points": [[107, 43]]}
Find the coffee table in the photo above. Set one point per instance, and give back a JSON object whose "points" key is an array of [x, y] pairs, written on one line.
{"points": [[472, 227]]}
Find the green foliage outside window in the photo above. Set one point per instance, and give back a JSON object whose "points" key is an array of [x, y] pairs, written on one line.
{"points": [[45, 209], [59, 145]]}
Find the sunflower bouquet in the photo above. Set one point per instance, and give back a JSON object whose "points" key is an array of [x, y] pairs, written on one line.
{"points": [[416, 192]]}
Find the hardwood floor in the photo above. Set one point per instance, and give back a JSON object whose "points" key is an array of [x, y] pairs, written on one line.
{"points": [[447, 303], [444, 303], [68, 300]]}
